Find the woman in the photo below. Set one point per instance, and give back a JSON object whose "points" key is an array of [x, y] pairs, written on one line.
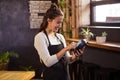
{"points": [[51, 46]]}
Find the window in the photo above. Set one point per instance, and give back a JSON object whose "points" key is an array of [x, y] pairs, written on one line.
{"points": [[105, 12]]}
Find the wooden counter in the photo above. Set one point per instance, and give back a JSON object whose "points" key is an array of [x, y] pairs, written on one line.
{"points": [[16, 75], [107, 45]]}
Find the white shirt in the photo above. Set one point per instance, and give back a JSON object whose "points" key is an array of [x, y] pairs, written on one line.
{"points": [[41, 44]]}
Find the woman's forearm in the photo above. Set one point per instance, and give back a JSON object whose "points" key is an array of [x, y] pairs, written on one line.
{"points": [[61, 53]]}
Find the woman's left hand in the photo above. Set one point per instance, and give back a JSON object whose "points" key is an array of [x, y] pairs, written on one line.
{"points": [[77, 53]]}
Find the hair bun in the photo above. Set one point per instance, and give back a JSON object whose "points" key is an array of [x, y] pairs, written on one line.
{"points": [[53, 6]]}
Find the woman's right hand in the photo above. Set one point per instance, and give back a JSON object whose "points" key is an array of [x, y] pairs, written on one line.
{"points": [[71, 46], [67, 48]]}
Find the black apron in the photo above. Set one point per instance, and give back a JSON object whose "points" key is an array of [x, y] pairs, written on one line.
{"points": [[59, 70]]}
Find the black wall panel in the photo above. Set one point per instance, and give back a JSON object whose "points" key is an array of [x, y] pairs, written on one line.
{"points": [[16, 35]]}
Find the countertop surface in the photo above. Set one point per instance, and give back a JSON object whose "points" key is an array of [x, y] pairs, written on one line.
{"points": [[16, 75]]}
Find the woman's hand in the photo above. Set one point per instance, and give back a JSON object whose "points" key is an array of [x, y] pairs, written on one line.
{"points": [[63, 51], [77, 54], [71, 46]]}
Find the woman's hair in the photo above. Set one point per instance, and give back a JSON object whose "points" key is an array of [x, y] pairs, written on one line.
{"points": [[51, 13]]}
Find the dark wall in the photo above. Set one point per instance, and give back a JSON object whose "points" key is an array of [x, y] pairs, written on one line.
{"points": [[14, 24], [16, 35], [102, 57]]}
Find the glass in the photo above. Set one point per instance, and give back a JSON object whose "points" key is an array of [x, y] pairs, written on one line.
{"points": [[109, 13]]}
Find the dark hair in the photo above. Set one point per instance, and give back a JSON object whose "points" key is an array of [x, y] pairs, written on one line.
{"points": [[51, 13]]}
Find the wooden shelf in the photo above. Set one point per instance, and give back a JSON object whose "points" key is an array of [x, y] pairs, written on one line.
{"points": [[114, 46]]}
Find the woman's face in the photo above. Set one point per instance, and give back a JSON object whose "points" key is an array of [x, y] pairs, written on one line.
{"points": [[55, 24]]}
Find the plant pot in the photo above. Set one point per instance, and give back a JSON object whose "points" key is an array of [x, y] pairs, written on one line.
{"points": [[87, 37], [100, 39], [3, 66]]}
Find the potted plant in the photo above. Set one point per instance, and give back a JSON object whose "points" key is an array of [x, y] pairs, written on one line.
{"points": [[102, 38], [87, 34], [26, 68], [5, 57]]}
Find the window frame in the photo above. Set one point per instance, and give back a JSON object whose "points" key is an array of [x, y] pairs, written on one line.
{"points": [[96, 3]]}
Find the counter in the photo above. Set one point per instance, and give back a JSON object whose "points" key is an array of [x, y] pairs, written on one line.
{"points": [[114, 46], [16, 75]]}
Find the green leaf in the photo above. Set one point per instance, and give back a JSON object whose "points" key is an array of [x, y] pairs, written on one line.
{"points": [[4, 56]]}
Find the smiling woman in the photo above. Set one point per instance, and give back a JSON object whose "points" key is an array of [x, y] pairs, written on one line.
{"points": [[51, 46]]}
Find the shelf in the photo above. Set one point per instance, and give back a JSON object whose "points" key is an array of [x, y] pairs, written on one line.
{"points": [[114, 46]]}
